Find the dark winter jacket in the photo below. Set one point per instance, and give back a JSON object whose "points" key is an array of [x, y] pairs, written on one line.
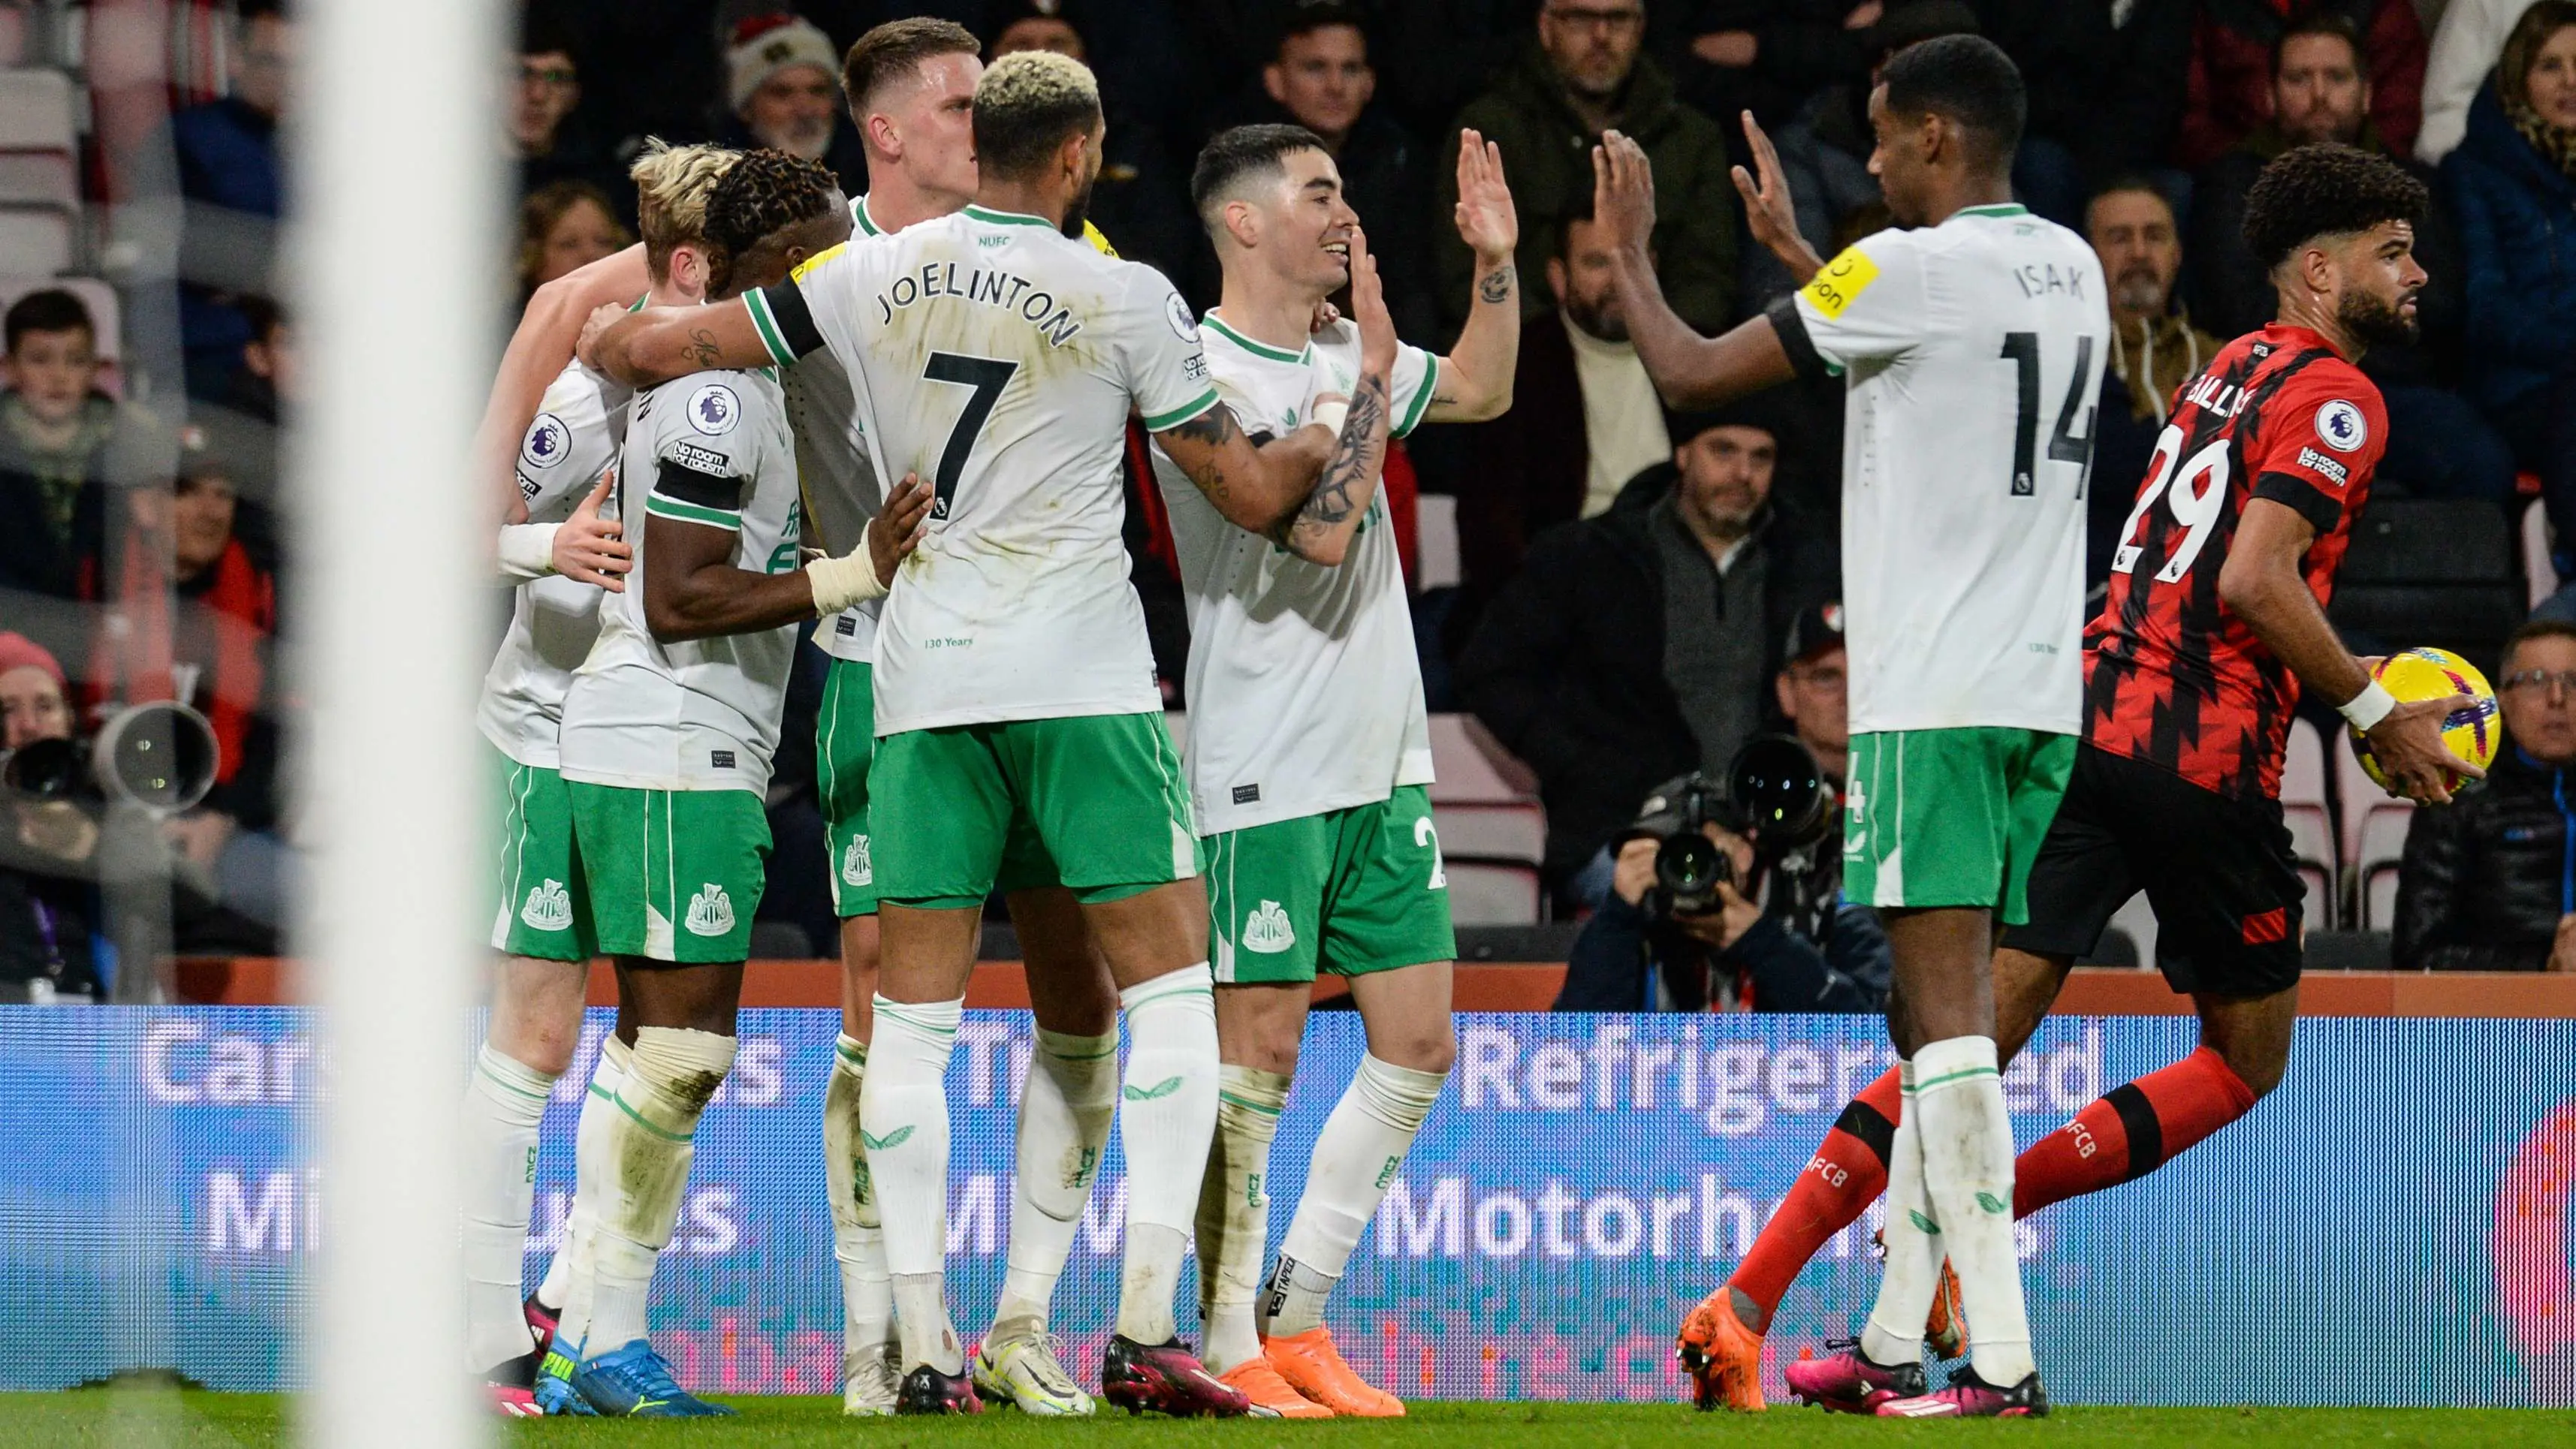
{"points": [[2516, 216], [1567, 667], [2483, 882], [1809, 952], [1547, 155]]}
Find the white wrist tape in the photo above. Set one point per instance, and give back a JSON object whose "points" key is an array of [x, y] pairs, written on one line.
{"points": [[2369, 707], [841, 582], [528, 550], [1329, 416]]}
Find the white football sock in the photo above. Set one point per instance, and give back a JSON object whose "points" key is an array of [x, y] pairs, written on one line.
{"points": [[1167, 1111], [858, 1233], [1968, 1172], [1065, 1115], [1356, 1157], [903, 1124], [669, 1080], [589, 1141], [504, 1102], [1894, 1333], [1234, 1212]]}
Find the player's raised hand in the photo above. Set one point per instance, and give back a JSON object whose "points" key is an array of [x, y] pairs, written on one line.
{"points": [[1368, 309], [2419, 764], [590, 549], [1623, 192], [602, 317], [1769, 210], [897, 529], [1487, 221]]}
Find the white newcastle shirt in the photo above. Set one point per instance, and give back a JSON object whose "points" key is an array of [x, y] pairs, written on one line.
{"points": [[1000, 359], [580, 425], [1304, 692], [712, 449], [1973, 351], [843, 488]]}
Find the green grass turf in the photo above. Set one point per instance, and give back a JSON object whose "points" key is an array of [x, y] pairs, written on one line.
{"points": [[80, 1419]]}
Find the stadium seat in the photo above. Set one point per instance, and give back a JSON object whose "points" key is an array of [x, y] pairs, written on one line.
{"points": [[2310, 817], [40, 178], [1436, 563], [35, 239], [2537, 566], [2374, 839], [2431, 571], [1473, 768], [36, 111], [1493, 895], [1503, 834]]}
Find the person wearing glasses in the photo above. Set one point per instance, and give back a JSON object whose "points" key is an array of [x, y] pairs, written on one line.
{"points": [[2490, 884], [1580, 74]]}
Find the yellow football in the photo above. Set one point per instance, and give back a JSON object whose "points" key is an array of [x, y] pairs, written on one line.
{"points": [[2471, 730]]}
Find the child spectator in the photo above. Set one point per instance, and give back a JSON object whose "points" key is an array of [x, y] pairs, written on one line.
{"points": [[61, 441]]}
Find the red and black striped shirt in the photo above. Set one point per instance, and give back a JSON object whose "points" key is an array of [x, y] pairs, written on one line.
{"points": [[2172, 675]]}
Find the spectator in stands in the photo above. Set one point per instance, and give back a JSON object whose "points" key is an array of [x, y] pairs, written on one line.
{"points": [[2511, 188], [233, 178], [62, 443], [549, 142], [2485, 885], [1769, 57], [564, 227], [47, 947], [2154, 350], [2465, 42], [1582, 73], [267, 377], [1639, 644], [1825, 148], [1320, 78], [783, 90], [1784, 941], [2438, 446], [2228, 90], [1139, 200]]}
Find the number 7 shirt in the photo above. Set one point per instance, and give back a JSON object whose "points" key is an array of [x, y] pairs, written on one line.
{"points": [[998, 361], [1972, 353], [2173, 676]]}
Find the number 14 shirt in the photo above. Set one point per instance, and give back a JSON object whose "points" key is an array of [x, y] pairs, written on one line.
{"points": [[1973, 352]]}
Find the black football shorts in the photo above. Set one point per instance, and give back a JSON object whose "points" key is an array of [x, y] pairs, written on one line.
{"points": [[2217, 869]]}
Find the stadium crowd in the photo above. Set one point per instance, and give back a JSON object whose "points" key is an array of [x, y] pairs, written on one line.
{"points": [[1629, 583]]}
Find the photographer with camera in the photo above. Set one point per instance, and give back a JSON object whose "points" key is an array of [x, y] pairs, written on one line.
{"points": [[1726, 896], [47, 948]]}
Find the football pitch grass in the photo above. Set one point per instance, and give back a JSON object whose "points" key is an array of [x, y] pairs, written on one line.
{"points": [[84, 1418]]}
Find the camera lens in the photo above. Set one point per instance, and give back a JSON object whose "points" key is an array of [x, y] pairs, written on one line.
{"points": [[1689, 866], [46, 769], [1777, 783], [161, 756]]}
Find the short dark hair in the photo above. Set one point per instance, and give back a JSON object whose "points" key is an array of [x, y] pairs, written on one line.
{"points": [[544, 32], [250, 10], [2124, 183], [51, 310], [2325, 189], [263, 314], [1026, 106], [897, 49], [1232, 155], [763, 192], [1968, 79], [1306, 19], [2322, 22], [2535, 629]]}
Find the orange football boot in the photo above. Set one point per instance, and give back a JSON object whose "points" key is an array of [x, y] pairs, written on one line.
{"points": [[1271, 1397], [1722, 1355], [1945, 1328], [1314, 1368]]}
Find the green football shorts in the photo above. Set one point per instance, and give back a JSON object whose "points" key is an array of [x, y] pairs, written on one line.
{"points": [[675, 875], [1950, 817], [845, 736], [1348, 891], [1095, 803], [544, 909]]}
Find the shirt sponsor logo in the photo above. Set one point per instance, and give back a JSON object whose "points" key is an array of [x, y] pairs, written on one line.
{"points": [[710, 911], [1266, 930], [1841, 282], [549, 439], [2340, 424], [549, 907], [720, 759], [705, 460], [846, 626], [1194, 367], [1247, 794], [713, 410], [2324, 466]]}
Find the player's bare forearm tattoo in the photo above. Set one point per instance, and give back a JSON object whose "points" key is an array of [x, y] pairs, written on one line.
{"points": [[1344, 479], [1214, 428], [1496, 285], [703, 349]]}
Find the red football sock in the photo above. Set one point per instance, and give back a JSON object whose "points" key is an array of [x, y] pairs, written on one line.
{"points": [[2130, 1131], [1845, 1176]]}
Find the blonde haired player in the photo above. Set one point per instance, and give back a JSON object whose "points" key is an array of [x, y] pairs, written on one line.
{"points": [[1002, 359], [1309, 749], [561, 561]]}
